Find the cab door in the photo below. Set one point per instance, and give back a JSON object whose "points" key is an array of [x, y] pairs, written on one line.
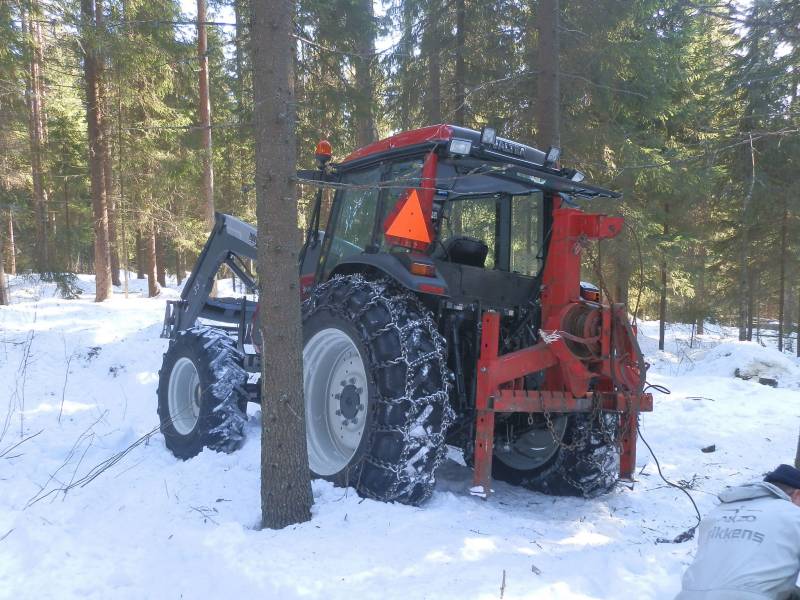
{"points": [[351, 225]]}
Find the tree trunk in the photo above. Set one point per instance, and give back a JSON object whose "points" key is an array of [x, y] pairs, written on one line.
{"points": [[161, 264], [757, 312], [238, 56], [460, 69], [36, 134], [285, 481], [205, 117], [102, 261], [782, 290], [242, 22], [139, 255], [751, 301], [67, 219], [701, 291], [622, 273], [11, 249], [662, 305], [113, 245], [408, 52], [548, 81], [365, 80], [150, 251], [432, 48], [4, 301], [178, 266], [105, 141], [745, 293]]}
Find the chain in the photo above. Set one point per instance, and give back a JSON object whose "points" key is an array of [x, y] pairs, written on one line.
{"points": [[610, 436], [418, 440]]}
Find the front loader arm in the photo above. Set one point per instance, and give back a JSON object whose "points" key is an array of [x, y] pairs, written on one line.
{"points": [[230, 241]]}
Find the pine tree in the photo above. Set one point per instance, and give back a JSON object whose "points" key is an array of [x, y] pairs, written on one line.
{"points": [[285, 480], [102, 259]]}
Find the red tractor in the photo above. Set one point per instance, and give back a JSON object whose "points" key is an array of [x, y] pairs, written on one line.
{"points": [[442, 305]]}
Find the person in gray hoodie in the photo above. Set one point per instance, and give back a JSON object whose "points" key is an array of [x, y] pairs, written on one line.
{"points": [[749, 546]]}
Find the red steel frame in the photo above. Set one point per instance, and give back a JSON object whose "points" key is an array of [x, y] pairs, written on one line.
{"points": [[568, 377]]}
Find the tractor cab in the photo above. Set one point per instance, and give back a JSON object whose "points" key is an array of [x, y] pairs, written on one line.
{"points": [[445, 210]]}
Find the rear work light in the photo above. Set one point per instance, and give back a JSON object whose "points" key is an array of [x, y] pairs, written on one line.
{"points": [[460, 147]]}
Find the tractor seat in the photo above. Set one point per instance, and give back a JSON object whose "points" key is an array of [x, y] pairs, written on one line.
{"points": [[464, 250]]}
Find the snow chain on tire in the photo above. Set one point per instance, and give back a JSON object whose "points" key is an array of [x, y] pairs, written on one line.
{"points": [[404, 439], [589, 464]]}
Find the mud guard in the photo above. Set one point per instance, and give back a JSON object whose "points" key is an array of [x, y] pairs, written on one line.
{"points": [[395, 267]]}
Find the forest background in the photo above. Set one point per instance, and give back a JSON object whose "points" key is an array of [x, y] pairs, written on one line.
{"points": [[689, 108]]}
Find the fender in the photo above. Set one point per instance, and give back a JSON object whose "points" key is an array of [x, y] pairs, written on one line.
{"points": [[394, 266]]}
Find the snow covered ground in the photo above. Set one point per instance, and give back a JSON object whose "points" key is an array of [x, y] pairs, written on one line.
{"points": [[77, 389]]}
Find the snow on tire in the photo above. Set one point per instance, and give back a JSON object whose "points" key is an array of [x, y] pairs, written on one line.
{"points": [[376, 389], [201, 399]]}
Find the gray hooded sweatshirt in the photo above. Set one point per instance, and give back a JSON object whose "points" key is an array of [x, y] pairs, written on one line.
{"points": [[748, 547]]}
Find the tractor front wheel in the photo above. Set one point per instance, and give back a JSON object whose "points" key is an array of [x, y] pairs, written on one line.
{"points": [[376, 389], [201, 400]]}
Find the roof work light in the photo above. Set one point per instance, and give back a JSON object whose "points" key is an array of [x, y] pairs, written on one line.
{"points": [[460, 147], [552, 156]]}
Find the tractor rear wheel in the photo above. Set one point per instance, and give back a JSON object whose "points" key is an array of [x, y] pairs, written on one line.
{"points": [[578, 456], [201, 400], [376, 389]]}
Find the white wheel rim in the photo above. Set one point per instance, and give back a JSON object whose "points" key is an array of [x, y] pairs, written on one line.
{"points": [[184, 396], [533, 448], [336, 397]]}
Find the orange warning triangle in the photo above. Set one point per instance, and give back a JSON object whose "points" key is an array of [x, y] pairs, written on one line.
{"points": [[409, 222]]}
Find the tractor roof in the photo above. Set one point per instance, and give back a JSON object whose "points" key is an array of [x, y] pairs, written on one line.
{"points": [[439, 134], [525, 162]]}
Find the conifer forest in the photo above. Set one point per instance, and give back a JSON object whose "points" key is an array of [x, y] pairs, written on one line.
{"points": [[408, 299], [690, 109]]}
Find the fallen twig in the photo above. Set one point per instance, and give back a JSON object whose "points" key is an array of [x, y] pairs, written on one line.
{"points": [[88, 433], [204, 511], [22, 441], [17, 398], [66, 379]]}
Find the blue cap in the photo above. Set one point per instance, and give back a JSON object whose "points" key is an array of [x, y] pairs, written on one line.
{"points": [[786, 475]]}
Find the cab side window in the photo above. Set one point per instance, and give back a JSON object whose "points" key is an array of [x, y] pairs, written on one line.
{"points": [[355, 215], [526, 233]]}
